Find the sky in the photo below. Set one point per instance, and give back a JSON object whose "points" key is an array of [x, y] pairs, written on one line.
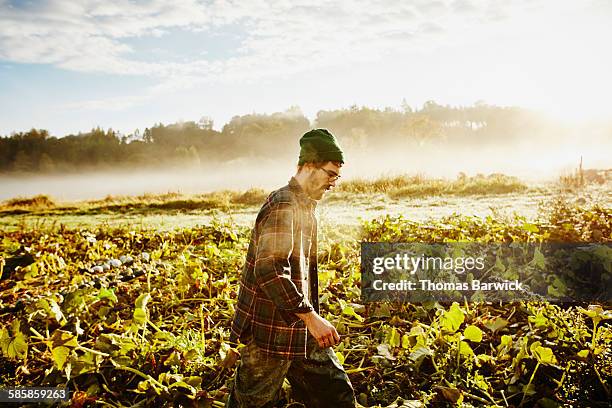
{"points": [[68, 66]]}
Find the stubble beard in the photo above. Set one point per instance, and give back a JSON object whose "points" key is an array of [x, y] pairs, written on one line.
{"points": [[323, 190], [318, 193]]}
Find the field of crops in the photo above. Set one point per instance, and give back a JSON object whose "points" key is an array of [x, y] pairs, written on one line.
{"points": [[127, 316]]}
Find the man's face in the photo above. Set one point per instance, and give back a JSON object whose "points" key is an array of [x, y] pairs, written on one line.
{"points": [[321, 179]]}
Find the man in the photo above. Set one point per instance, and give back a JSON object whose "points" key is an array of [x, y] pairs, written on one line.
{"points": [[277, 313]]}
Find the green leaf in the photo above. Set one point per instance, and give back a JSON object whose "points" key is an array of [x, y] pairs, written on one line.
{"points": [[142, 300], [62, 338], [453, 318], [52, 310], [419, 354], [383, 350], [340, 357], [140, 316], [86, 363], [31, 271], [539, 320], [5, 340], [557, 288], [174, 359], [183, 385], [325, 277], [349, 311], [18, 346], [480, 381], [107, 294], [194, 381], [506, 340], [393, 338], [9, 245], [583, 353], [465, 349], [144, 385], [538, 259], [61, 343], [484, 358], [60, 355], [499, 265], [115, 344], [544, 355], [597, 313], [57, 311], [405, 341], [382, 310], [473, 333], [496, 324], [140, 312]]}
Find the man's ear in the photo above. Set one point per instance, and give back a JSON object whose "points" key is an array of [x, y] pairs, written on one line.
{"points": [[308, 168]]}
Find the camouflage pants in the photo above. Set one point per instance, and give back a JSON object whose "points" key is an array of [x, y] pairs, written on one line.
{"points": [[317, 381]]}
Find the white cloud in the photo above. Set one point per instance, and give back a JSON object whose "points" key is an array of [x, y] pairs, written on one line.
{"points": [[281, 38], [89, 35], [109, 104]]}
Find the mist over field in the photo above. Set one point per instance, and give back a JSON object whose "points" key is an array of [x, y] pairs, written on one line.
{"points": [[528, 162], [261, 150], [92, 185]]}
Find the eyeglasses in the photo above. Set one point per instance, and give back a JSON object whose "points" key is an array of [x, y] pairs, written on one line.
{"points": [[332, 175]]}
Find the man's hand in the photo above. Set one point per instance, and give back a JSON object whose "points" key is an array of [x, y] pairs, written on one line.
{"points": [[322, 330]]}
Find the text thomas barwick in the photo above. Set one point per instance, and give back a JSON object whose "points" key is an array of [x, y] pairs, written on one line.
{"points": [[429, 285]]}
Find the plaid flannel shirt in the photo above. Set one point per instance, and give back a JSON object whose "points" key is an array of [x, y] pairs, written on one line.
{"points": [[279, 277]]}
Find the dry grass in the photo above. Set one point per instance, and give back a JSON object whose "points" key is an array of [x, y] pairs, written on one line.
{"points": [[581, 178], [384, 184], [176, 201], [38, 202], [419, 186], [170, 201]]}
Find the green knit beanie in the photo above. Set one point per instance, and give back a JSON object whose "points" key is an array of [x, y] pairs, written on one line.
{"points": [[318, 145]]}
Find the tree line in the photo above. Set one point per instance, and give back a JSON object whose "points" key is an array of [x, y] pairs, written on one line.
{"points": [[260, 136]]}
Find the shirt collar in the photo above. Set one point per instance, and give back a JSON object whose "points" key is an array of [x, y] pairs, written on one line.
{"points": [[301, 194]]}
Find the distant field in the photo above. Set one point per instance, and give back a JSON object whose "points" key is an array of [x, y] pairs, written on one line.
{"points": [[413, 197]]}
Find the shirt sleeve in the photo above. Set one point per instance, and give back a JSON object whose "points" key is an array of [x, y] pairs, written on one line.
{"points": [[272, 266]]}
